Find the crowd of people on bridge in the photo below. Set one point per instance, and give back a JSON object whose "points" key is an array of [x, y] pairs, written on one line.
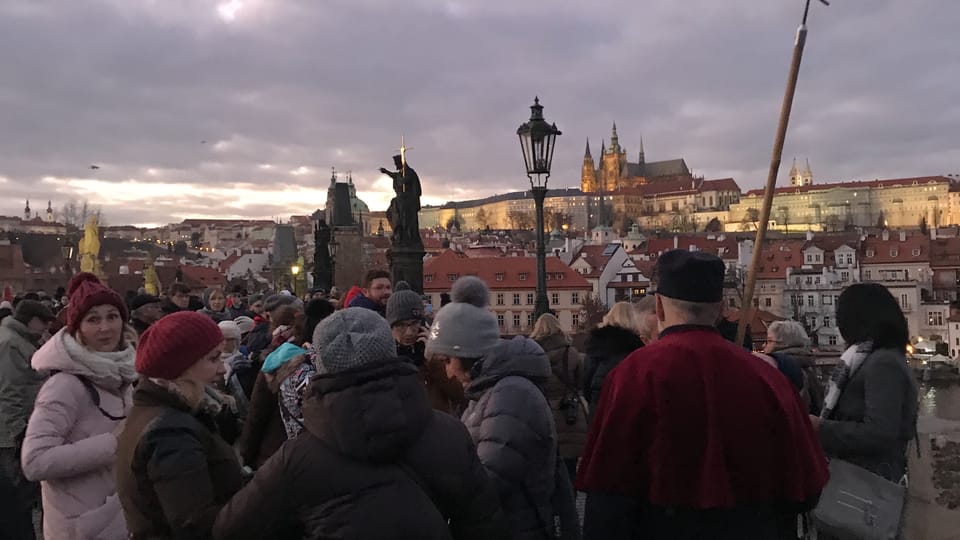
{"points": [[372, 415]]}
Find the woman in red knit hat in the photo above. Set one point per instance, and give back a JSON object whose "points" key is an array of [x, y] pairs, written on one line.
{"points": [[174, 471], [70, 444]]}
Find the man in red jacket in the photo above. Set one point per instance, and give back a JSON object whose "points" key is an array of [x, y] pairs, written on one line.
{"points": [[694, 437]]}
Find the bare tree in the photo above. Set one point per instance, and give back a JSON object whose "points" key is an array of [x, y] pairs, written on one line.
{"points": [[520, 220], [483, 219], [74, 214], [751, 219], [594, 311]]}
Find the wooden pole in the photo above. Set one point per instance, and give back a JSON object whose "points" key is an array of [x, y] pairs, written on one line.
{"points": [[746, 311]]}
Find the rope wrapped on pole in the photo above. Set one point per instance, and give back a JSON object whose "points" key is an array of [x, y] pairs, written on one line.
{"points": [[746, 310]]}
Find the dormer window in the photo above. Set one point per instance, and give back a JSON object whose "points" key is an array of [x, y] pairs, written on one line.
{"points": [[523, 276], [870, 253], [894, 252], [916, 252], [452, 277], [428, 278], [499, 276]]}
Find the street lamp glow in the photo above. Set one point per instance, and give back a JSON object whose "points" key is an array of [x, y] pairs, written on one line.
{"points": [[295, 270]]}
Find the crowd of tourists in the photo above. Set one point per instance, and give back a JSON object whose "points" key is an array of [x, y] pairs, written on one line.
{"points": [[372, 415]]}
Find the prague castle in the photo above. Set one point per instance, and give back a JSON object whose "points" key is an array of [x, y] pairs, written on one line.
{"points": [[615, 171]]}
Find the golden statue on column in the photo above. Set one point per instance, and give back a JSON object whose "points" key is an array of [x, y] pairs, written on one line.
{"points": [[90, 248]]}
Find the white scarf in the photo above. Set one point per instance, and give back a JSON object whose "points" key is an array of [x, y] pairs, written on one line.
{"points": [[850, 361], [108, 370]]}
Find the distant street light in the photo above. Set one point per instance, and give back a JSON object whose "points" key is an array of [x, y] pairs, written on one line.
{"points": [[537, 140], [295, 271]]}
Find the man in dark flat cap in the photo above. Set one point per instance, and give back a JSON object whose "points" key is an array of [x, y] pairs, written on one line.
{"points": [[145, 309], [693, 436]]}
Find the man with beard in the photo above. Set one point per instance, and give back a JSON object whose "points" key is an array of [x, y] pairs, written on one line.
{"points": [[375, 292]]}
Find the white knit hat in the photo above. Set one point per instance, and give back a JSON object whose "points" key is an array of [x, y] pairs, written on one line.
{"points": [[229, 329], [464, 328]]}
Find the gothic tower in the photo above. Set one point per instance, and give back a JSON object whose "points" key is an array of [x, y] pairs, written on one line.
{"points": [[613, 163], [588, 175], [26, 211], [795, 179], [49, 212], [642, 158], [807, 175]]}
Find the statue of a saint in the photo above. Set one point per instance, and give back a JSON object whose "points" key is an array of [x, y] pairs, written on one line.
{"points": [[90, 247], [402, 213]]}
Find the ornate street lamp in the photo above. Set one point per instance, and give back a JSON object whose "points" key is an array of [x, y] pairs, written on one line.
{"points": [[332, 248], [537, 140], [294, 272], [322, 256], [67, 250]]}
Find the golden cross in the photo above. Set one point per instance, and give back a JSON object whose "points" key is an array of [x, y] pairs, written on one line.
{"points": [[403, 155]]}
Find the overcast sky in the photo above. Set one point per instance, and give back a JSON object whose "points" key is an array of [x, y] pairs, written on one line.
{"points": [[239, 108]]}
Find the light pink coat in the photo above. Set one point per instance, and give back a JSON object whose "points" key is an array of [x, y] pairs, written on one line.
{"points": [[70, 448]]}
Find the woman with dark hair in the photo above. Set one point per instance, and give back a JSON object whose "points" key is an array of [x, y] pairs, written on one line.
{"points": [[870, 411]]}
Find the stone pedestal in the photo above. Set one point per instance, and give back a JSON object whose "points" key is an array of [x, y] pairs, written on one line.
{"points": [[406, 264]]}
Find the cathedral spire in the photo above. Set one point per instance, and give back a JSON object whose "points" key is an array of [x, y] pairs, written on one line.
{"points": [[642, 157], [603, 146], [587, 153], [26, 211], [614, 140]]}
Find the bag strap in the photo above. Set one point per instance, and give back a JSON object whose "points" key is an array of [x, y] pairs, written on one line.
{"points": [[93, 393]]}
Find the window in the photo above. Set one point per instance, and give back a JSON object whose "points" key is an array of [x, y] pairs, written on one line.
{"points": [[809, 280], [733, 302], [516, 299], [530, 319], [845, 276], [870, 253], [575, 298], [675, 206], [516, 320], [428, 278], [499, 276], [816, 257], [576, 320], [452, 277], [529, 298], [554, 298], [832, 340], [894, 252], [500, 319], [916, 252], [866, 274], [904, 301], [826, 322], [523, 276], [809, 300], [768, 302], [935, 318], [499, 298], [826, 299], [816, 280]]}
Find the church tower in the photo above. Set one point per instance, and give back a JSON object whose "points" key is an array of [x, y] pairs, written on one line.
{"points": [[643, 159], [26, 211], [613, 163], [588, 175], [795, 179], [807, 175], [49, 212]]}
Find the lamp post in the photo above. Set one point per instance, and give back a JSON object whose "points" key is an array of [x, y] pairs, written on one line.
{"points": [[322, 256], [67, 250], [332, 249], [294, 272], [537, 141]]}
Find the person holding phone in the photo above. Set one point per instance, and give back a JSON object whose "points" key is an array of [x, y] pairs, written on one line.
{"points": [[405, 314]]}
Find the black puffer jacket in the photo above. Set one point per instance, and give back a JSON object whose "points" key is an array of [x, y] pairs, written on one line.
{"points": [[607, 346], [374, 462], [510, 420]]}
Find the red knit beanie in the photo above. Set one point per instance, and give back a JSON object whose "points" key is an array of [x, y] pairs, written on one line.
{"points": [[85, 292], [174, 343]]}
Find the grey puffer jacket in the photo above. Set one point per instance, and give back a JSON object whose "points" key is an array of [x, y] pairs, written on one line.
{"points": [[511, 422]]}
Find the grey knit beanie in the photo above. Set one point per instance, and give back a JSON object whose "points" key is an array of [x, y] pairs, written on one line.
{"points": [[276, 300], [351, 338], [464, 328], [403, 304]]}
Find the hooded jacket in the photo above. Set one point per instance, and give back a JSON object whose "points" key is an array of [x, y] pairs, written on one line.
{"points": [[71, 449], [607, 346], [19, 383], [510, 420], [564, 384], [374, 462], [174, 472]]}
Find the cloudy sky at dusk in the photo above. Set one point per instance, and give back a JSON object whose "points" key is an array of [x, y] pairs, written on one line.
{"points": [[239, 108]]}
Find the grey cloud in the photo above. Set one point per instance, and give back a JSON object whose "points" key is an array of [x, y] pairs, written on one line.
{"points": [[134, 85]]}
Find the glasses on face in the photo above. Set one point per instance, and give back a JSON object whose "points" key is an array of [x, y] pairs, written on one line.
{"points": [[408, 325]]}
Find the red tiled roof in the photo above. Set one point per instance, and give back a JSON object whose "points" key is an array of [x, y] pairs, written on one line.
{"points": [[897, 182], [779, 255], [593, 255], [228, 262], [721, 184], [439, 269], [203, 276], [728, 245], [483, 251], [882, 249]]}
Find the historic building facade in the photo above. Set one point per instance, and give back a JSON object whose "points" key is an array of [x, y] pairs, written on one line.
{"points": [[615, 171]]}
